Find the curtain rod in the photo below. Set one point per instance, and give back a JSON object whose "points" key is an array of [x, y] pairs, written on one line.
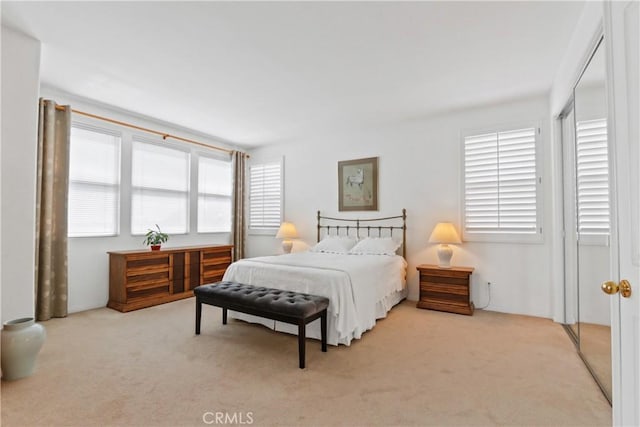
{"points": [[164, 135]]}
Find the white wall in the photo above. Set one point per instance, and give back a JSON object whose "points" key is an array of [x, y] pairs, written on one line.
{"points": [[419, 169], [20, 88], [88, 259]]}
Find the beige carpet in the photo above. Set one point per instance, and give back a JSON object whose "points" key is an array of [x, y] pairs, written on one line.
{"points": [[417, 367]]}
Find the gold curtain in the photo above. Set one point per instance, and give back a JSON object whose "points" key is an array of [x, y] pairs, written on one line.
{"points": [[238, 235], [54, 128]]}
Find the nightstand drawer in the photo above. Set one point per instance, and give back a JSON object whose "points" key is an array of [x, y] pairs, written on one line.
{"points": [[448, 307], [462, 281], [446, 300], [429, 287]]}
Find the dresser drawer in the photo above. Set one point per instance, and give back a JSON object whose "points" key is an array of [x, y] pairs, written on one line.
{"points": [[214, 265], [148, 260], [147, 290], [211, 275], [148, 276], [216, 257]]}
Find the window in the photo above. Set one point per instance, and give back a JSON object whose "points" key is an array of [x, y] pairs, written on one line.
{"points": [[94, 182], [265, 196], [592, 177], [501, 186], [214, 195], [159, 188]]}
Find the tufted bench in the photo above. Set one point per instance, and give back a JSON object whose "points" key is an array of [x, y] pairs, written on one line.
{"points": [[285, 306]]}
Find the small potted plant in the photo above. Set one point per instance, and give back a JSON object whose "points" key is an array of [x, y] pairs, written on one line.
{"points": [[155, 238]]}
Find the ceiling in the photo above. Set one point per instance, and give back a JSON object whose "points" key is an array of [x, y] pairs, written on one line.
{"points": [[256, 73]]}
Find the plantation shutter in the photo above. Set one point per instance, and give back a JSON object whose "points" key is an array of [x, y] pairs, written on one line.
{"points": [[265, 196], [94, 182], [592, 177], [500, 182]]}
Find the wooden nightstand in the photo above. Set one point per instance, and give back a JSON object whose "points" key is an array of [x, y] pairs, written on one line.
{"points": [[445, 289]]}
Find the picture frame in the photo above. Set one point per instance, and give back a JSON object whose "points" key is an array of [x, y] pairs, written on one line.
{"points": [[358, 185]]}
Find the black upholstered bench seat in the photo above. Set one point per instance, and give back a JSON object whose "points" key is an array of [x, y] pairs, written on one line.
{"points": [[276, 304]]}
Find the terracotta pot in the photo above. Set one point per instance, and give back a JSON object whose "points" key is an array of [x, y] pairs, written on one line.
{"points": [[22, 339], [155, 247]]}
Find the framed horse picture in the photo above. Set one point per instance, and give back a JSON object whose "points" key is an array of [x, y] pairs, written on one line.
{"points": [[358, 185]]}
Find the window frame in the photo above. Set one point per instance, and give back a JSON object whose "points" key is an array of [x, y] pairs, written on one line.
{"points": [[265, 231], [105, 131], [137, 138], [212, 156], [497, 236]]}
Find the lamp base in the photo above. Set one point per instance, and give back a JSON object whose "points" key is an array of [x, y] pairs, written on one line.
{"points": [[444, 256], [286, 246]]}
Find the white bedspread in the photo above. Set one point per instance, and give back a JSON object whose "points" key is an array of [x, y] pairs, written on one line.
{"points": [[356, 286]]}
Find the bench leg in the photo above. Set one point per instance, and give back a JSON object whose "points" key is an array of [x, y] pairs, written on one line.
{"points": [[198, 315], [302, 328], [224, 316], [323, 329]]}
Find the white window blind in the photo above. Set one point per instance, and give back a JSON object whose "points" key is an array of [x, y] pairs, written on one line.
{"points": [[500, 183], [592, 177], [159, 188], [265, 196], [214, 195], [94, 182]]}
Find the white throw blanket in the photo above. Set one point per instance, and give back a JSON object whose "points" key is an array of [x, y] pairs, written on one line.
{"points": [[354, 284]]}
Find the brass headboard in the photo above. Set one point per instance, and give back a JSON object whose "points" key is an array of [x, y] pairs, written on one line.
{"points": [[360, 229]]}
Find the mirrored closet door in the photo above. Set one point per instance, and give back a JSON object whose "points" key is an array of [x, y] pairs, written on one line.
{"points": [[586, 218]]}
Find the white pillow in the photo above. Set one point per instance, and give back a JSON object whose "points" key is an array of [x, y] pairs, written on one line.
{"points": [[376, 246], [334, 245]]}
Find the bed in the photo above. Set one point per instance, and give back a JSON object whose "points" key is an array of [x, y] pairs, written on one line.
{"points": [[355, 263]]}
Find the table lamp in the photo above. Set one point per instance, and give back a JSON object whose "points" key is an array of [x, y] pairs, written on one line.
{"points": [[286, 232], [444, 233]]}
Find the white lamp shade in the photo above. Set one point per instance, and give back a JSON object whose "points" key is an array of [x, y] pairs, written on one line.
{"points": [[444, 232], [287, 231]]}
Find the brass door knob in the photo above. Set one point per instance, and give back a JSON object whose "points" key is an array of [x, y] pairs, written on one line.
{"points": [[609, 287], [625, 288]]}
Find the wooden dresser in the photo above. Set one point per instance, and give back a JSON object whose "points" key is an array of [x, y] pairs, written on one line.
{"points": [[142, 278], [445, 289]]}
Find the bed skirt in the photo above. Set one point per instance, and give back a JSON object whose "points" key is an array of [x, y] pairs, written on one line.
{"points": [[313, 329]]}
